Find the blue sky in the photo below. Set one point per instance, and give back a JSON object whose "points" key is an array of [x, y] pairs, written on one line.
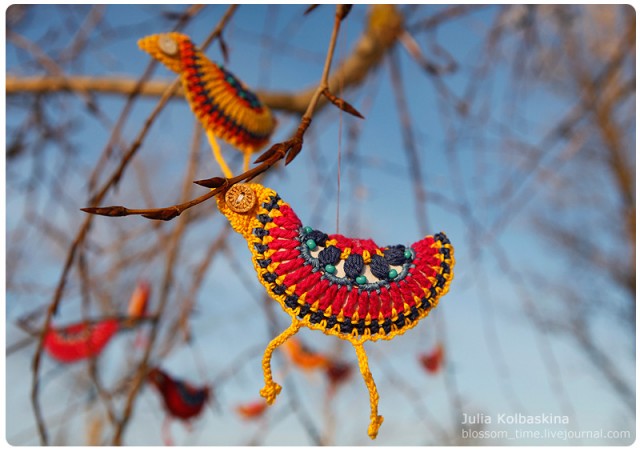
{"points": [[379, 195]]}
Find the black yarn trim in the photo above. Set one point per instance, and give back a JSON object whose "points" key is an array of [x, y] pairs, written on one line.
{"points": [[260, 232], [316, 317], [272, 203], [442, 238], [209, 100], [269, 277], [263, 263], [264, 219], [291, 301]]}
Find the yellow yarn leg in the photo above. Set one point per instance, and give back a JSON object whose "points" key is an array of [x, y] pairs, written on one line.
{"points": [[271, 388], [218, 155], [376, 420], [246, 161]]}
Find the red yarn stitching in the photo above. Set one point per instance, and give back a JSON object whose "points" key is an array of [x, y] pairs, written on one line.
{"points": [[328, 297], [374, 305], [420, 276], [284, 255], [356, 245], [298, 275], [280, 244], [351, 303], [316, 289], [363, 304], [290, 266], [306, 284], [397, 294], [339, 300], [413, 289], [385, 302], [278, 233], [288, 219]]}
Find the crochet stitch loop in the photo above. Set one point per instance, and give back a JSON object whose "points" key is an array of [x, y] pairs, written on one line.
{"points": [[349, 288]]}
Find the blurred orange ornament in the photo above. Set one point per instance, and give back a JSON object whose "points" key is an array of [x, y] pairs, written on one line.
{"points": [[252, 410], [139, 299], [433, 360], [302, 357]]}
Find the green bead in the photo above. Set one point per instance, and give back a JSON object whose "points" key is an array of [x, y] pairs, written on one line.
{"points": [[307, 229], [407, 254], [393, 273], [311, 244], [330, 268], [361, 279]]}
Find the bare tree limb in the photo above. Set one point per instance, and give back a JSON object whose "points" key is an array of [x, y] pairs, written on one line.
{"points": [[286, 150], [366, 55], [60, 287]]}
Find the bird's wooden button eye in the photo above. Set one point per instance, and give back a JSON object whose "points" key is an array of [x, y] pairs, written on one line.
{"points": [[240, 198], [168, 45]]}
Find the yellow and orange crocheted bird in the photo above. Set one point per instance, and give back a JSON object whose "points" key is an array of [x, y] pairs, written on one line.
{"points": [[223, 104], [344, 287]]}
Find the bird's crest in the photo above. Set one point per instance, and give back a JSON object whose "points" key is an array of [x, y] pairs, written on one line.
{"points": [[166, 48]]}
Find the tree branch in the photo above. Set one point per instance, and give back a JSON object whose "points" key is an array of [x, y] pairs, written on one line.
{"points": [[286, 150], [366, 55], [71, 255]]}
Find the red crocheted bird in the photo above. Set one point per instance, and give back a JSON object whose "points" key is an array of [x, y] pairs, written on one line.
{"points": [[84, 340], [181, 399], [80, 340]]}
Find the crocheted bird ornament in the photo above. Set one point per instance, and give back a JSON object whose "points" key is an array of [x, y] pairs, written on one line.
{"points": [[84, 340], [182, 400], [81, 340], [224, 105], [344, 287]]}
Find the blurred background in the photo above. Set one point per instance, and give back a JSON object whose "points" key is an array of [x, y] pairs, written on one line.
{"points": [[509, 127]]}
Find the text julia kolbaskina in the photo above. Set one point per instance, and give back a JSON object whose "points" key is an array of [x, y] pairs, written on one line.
{"points": [[514, 419]]}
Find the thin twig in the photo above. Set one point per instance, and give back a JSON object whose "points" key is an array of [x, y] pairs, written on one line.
{"points": [[410, 146], [366, 55], [172, 257], [191, 12], [287, 150], [92, 363], [80, 237]]}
